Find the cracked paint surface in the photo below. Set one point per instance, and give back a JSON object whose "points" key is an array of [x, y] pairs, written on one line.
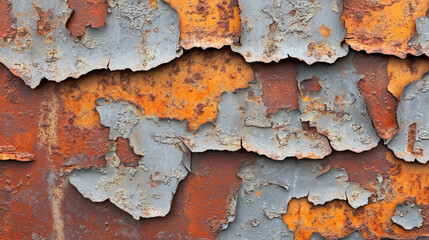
{"points": [[336, 107], [143, 42], [207, 24], [308, 30], [411, 141], [385, 26]]}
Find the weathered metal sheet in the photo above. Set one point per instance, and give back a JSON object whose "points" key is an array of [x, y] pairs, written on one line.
{"points": [[421, 40], [8, 152], [308, 30], [353, 236], [408, 215], [138, 35], [401, 72], [145, 190], [268, 187], [412, 140], [207, 24], [331, 102], [384, 26], [391, 181]]}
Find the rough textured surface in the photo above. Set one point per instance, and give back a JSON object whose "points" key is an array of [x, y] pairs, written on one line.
{"points": [[268, 187], [336, 109], [421, 39], [401, 72], [308, 30], [412, 140], [211, 23], [407, 215], [86, 13], [43, 47], [8, 152], [384, 26]]}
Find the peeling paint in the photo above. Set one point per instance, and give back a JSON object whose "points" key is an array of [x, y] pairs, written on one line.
{"points": [[275, 30], [337, 110], [8, 152], [86, 13], [143, 42], [407, 215], [412, 140]]}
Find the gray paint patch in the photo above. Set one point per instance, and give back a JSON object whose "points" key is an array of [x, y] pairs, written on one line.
{"points": [[278, 29], [421, 39], [267, 188], [411, 143], [337, 110], [135, 37], [408, 215]]}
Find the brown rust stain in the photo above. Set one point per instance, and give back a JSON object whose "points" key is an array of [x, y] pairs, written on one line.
{"points": [[86, 13], [46, 22], [380, 102], [125, 152], [401, 72], [411, 140], [279, 87], [8, 152], [401, 181], [310, 85], [207, 23], [187, 88], [324, 31], [383, 26], [7, 31]]}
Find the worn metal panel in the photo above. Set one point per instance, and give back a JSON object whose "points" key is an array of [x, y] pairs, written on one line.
{"points": [[208, 24], [384, 26], [308, 30], [411, 143], [86, 13], [41, 46], [331, 102]]}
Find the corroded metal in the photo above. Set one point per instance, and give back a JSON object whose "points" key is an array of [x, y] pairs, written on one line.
{"points": [[139, 35], [412, 140], [421, 39], [8, 152], [207, 24], [408, 215], [268, 187], [308, 30], [331, 102], [385, 26]]}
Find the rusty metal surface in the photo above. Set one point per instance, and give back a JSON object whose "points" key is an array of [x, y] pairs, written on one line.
{"points": [[207, 24], [335, 107], [411, 141], [385, 26], [408, 215], [44, 48], [308, 30], [8, 152]]}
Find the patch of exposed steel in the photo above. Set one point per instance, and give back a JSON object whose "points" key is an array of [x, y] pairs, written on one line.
{"points": [[412, 140], [8, 152], [144, 37], [308, 30]]}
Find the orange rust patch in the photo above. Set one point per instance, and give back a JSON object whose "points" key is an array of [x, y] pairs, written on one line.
{"points": [[319, 50], [324, 31], [401, 181], [207, 23], [8, 152], [6, 20], [86, 13], [125, 152], [401, 72], [383, 26], [45, 23], [411, 140], [279, 86], [187, 88], [373, 87]]}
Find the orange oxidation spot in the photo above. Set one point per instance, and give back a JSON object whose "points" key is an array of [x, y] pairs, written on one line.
{"points": [[187, 88], [86, 13], [6, 23], [401, 72], [383, 26], [207, 23], [258, 193], [324, 31]]}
